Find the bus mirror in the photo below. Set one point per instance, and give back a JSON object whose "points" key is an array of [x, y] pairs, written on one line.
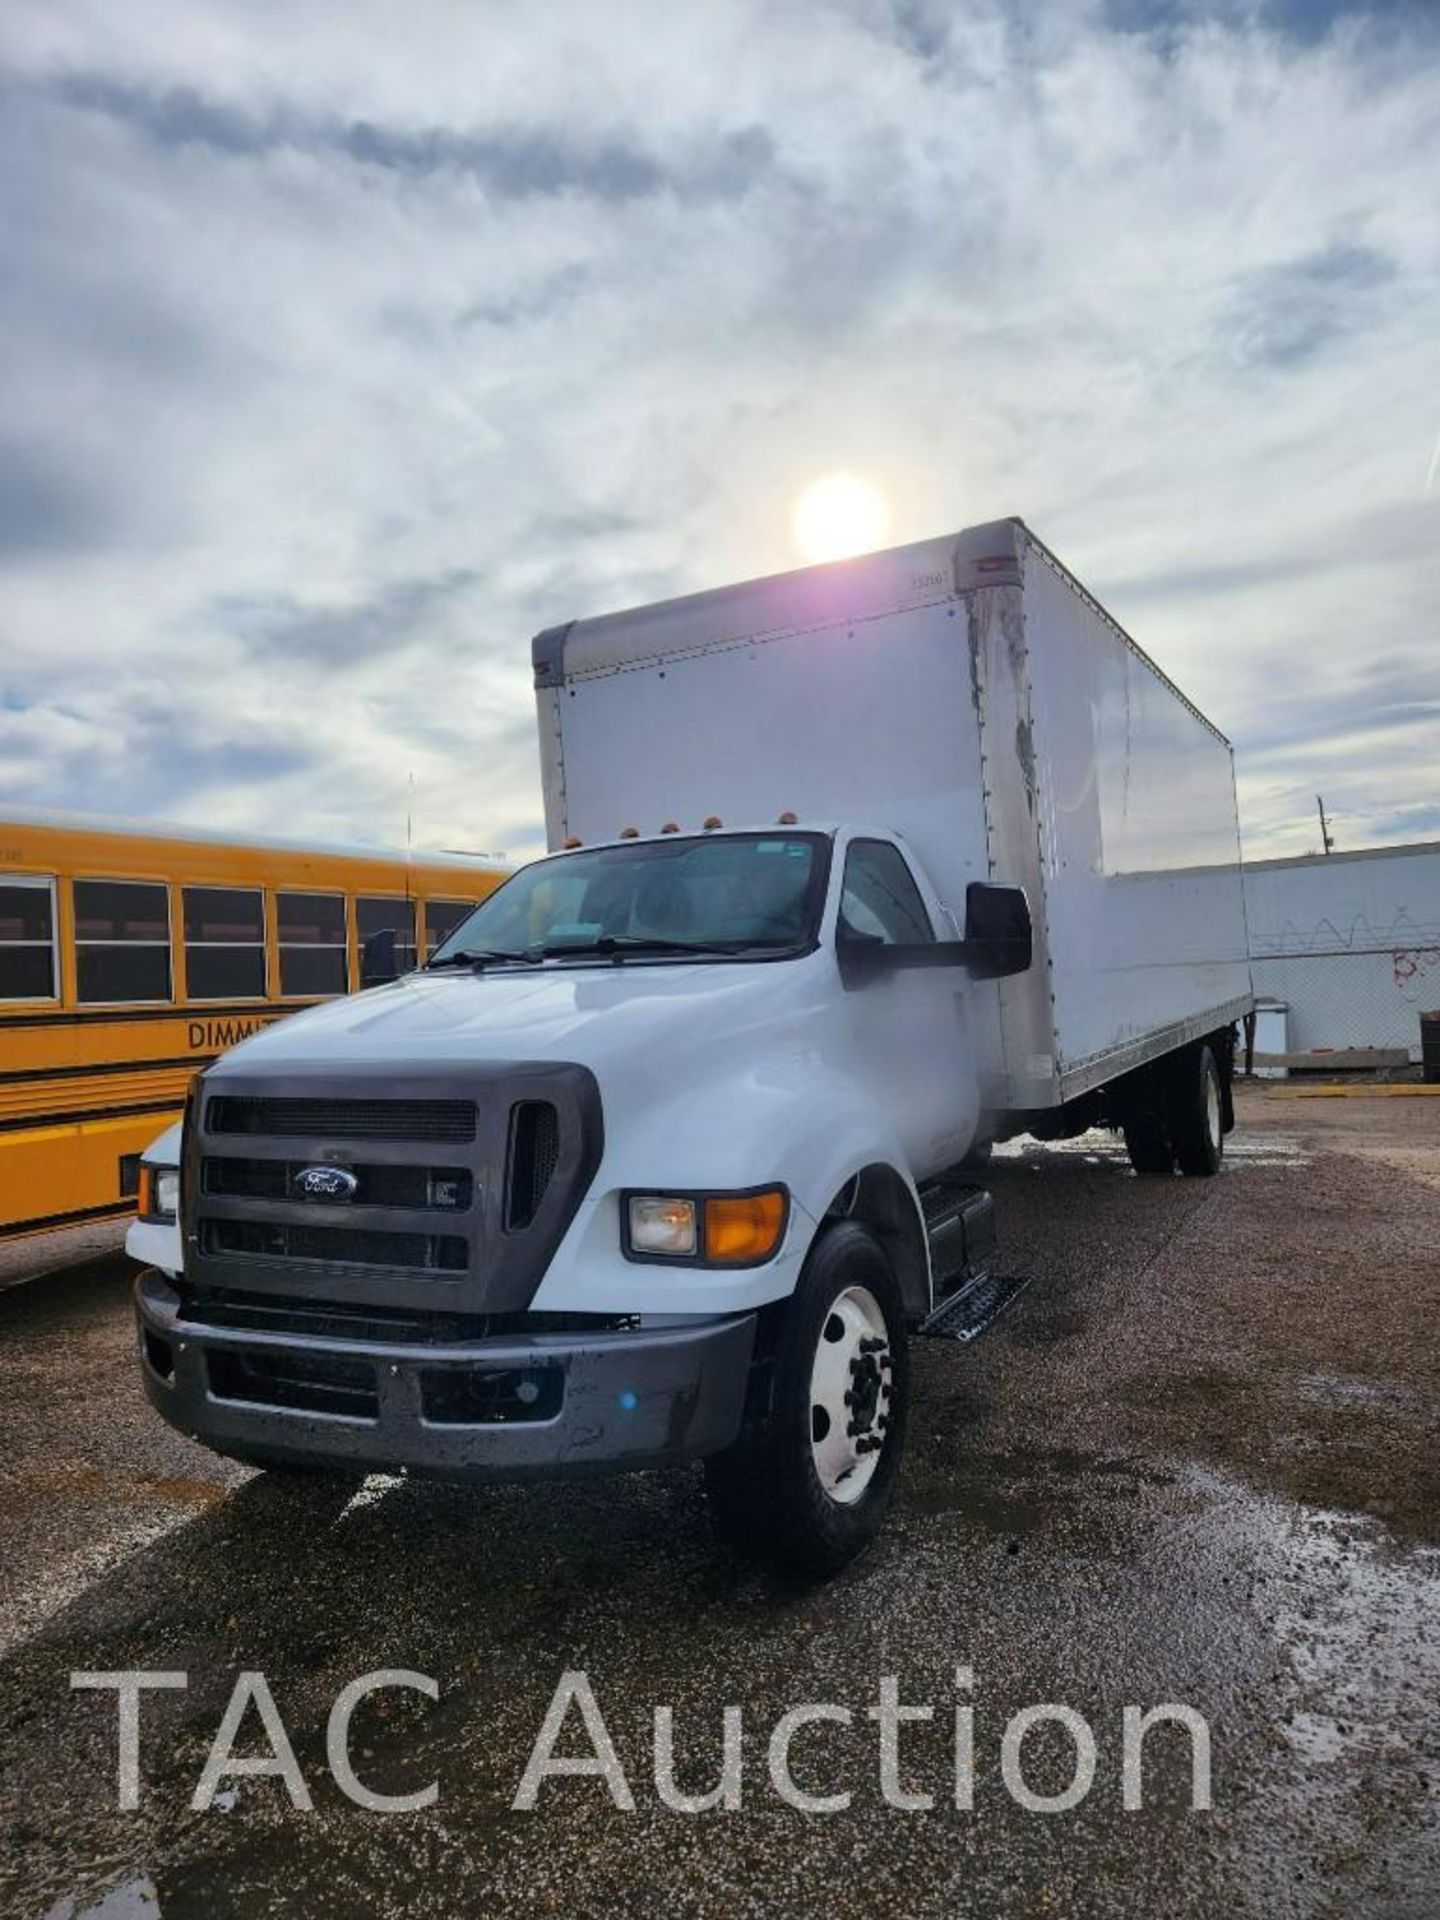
{"points": [[377, 959], [998, 934]]}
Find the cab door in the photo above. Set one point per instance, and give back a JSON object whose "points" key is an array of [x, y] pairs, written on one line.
{"points": [[907, 1026]]}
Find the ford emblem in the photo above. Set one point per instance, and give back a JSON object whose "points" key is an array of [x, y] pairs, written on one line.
{"points": [[326, 1183]]}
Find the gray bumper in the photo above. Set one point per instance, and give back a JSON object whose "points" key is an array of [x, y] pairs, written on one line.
{"points": [[605, 1401]]}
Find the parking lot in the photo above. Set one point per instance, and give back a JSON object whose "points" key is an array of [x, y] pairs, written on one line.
{"points": [[1198, 1462]]}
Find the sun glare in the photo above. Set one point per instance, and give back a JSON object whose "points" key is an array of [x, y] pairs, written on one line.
{"points": [[838, 516]]}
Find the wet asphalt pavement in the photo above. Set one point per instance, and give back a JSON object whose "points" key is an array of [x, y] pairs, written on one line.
{"points": [[1198, 1462]]}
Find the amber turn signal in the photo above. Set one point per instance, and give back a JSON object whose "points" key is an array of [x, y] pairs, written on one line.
{"points": [[744, 1229]]}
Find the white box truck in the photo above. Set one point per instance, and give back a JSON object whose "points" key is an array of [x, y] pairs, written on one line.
{"points": [[670, 1147]]}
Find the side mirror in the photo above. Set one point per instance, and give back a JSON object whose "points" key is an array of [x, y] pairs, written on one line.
{"points": [[999, 939], [377, 959]]}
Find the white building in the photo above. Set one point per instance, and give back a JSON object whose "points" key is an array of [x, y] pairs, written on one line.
{"points": [[1349, 943]]}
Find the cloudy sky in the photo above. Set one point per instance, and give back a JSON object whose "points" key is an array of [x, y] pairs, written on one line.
{"points": [[343, 346]]}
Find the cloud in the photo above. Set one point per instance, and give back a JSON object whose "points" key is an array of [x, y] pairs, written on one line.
{"points": [[44, 509], [335, 360], [1283, 315], [516, 162]]}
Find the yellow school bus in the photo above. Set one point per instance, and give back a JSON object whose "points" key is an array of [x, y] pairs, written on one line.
{"points": [[130, 957]]}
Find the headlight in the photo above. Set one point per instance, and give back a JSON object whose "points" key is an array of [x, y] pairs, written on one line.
{"points": [[708, 1230], [663, 1224], [159, 1192]]}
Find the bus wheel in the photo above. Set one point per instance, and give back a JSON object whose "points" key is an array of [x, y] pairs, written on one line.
{"points": [[1197, 1111], [813, 1486]]}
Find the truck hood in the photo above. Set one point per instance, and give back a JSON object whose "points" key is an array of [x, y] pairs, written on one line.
{"points": [[589, 1015]]}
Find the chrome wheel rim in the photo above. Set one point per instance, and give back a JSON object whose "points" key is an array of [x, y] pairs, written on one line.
{"points": [[850, 1394], [1212, 1109]]}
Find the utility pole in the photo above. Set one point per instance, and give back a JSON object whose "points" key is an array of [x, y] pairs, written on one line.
{"points": [[1325, 840]]}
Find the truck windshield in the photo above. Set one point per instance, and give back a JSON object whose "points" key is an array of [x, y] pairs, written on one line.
{"points": [[733, 895]]}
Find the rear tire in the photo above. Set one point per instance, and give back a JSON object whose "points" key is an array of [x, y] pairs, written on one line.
{"points": [[1148, 1144], [811, 1488], [1197, 1111], [1145, 1123]]}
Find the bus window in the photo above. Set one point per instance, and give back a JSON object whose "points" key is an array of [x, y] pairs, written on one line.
{"points": [[122, 941], [312, 943], [376, 915], [27, 939], [224, 943], [442, 917]]}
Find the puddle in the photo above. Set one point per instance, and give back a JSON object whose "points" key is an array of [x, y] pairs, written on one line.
{"points": [[130, 1900]]}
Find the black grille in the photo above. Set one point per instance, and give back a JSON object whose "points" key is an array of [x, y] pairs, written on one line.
{"points": [[338, 1246], [534, 1152], [443, 1189], [310, 1383], [333, 1320], [343, 1119]]}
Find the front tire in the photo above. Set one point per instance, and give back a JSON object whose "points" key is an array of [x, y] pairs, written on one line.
{"points": [[811, 1488]]}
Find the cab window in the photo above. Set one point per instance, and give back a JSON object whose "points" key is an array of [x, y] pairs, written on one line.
{"points": [[880, 900]]}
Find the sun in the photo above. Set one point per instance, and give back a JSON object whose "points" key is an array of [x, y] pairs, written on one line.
{"points": [[840, 515]]}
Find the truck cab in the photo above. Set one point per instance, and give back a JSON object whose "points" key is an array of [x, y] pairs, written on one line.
{"points": [[548, 1204]]}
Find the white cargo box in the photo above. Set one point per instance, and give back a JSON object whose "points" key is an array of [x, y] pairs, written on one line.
{"points": [[970, 695]]}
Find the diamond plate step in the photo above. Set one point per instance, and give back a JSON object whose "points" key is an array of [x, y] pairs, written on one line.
{"points": [[974, 1307]]}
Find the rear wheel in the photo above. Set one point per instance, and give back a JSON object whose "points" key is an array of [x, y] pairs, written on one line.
{"points": [[1147, 1138], [812, 1487], [1197, 1111]]}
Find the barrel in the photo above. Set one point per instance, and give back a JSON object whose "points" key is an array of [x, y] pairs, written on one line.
{"points": [[1430, 1045]]}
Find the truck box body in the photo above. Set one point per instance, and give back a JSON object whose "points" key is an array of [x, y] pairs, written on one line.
{"points": [[968, 694]]}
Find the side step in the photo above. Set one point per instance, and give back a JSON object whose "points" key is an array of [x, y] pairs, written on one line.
{"points": [[960, 1222], [968, 1312]]}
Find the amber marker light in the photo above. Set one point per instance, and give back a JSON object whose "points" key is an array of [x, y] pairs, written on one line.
{"points": [[744, 1229], [712, 821]]}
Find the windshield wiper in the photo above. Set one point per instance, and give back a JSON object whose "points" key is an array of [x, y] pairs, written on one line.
{"points": [[620, 946], [474, 957]]}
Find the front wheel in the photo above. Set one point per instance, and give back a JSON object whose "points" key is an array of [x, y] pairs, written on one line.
{"points": [[813, 1485]]}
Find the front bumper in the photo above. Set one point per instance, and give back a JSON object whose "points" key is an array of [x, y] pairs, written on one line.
{"points": [[603, 1401]]}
